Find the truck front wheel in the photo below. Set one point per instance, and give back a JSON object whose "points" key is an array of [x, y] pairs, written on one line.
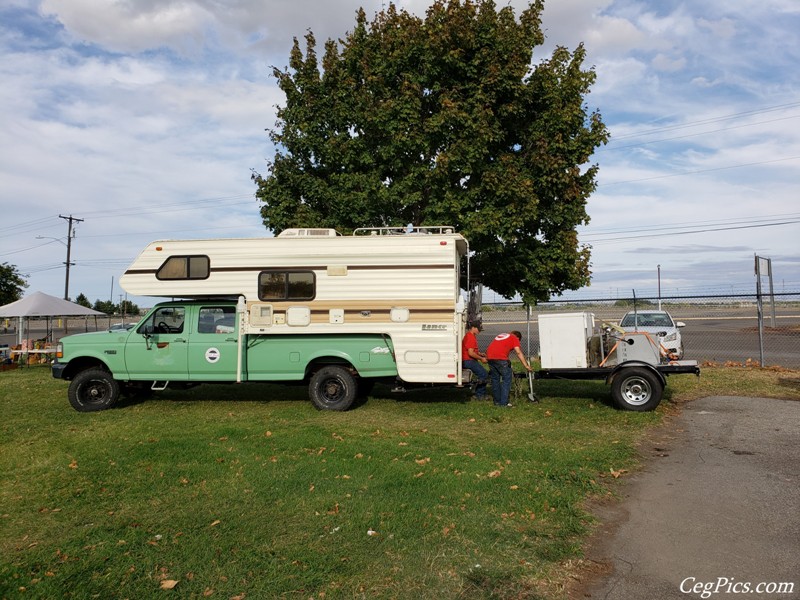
{"points": [[92, 390], [637, 389], [332, 388]]}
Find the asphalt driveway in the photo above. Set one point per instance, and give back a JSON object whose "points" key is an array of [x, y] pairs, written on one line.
{"points": [[714, 514]]}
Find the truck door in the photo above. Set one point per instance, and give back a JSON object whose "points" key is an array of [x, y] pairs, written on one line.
{"points": [[212, 344], [160, 352]]}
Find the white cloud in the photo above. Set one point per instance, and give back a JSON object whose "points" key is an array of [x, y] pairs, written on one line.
{"points": [[132, 26], [662, 62]]}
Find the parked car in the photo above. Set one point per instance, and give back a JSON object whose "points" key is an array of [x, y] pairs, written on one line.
{"points": [[658, 323]]}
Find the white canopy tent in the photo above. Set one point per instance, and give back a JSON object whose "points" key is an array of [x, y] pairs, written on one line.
{"points": [[39, 304]]}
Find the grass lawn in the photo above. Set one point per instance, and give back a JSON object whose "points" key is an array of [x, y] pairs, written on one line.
{"points": [[248, 491]]}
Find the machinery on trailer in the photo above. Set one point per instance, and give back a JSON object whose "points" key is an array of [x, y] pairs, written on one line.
{"points": [[635, 364]]}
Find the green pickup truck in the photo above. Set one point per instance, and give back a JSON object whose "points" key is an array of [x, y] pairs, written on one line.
{"points": [[195, 341]]}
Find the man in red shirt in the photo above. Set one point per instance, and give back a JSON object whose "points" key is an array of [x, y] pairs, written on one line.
{"points": [[472, 357], [500, 370]]}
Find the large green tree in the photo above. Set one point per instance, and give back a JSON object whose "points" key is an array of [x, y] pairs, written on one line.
{"points": [[446, 120], [12, 284]]}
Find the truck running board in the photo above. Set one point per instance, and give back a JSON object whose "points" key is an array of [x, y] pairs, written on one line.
{"points": [[157, 387]]}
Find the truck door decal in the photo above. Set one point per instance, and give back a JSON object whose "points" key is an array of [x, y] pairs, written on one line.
{"points": [[213, 355]]}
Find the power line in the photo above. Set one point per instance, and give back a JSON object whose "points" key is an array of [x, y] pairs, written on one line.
{"points": [[708, 230], [689, 135], [676, 127], [698, 171], [747, 220]]}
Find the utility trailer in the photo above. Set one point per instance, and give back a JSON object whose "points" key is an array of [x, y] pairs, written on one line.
{"points": [[635, 365]]}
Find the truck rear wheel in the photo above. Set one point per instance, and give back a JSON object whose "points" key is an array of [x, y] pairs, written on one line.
{"points": [[638, 389], [92, 390], [332, 388]]}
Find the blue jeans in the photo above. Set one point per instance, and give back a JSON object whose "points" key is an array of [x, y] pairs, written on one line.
{"points": [[501, 373], [477, 368]]}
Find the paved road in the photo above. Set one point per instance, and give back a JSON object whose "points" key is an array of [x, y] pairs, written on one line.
{"points": [[718, 504]]}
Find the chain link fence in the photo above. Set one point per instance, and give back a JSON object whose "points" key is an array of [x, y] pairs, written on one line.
{"points": [[732, 330]]}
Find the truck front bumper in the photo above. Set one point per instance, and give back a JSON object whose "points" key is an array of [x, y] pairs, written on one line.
{"points": [[57, 369]]}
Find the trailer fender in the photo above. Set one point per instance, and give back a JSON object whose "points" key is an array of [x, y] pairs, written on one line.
{"points": [[635, 363]]}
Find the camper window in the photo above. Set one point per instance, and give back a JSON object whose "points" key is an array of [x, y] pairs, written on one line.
{"points": [[184, 267], [286, 285]]}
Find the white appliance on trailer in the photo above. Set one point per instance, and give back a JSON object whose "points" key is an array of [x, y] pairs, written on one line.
{"points": [[636, 365]]}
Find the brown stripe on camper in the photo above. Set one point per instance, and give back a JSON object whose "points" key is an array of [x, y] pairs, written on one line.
{"points": [[359, 305], [304, 268], [372, 311]]}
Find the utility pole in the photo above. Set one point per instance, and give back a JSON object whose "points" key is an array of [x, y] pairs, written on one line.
{"points": [[659, 287], [70, 235]]}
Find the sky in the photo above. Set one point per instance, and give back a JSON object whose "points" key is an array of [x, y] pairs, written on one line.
{"points": [[145, 119]]}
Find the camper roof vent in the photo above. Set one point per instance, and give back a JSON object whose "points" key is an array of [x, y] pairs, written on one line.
{"points": [[296, 233]]}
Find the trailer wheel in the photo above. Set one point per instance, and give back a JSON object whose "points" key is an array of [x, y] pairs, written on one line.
{"points": [[332, 388], [92, 390], [636, 389]]}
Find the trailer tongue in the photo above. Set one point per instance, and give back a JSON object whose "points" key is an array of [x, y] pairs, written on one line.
{"points": [[636, 365]]}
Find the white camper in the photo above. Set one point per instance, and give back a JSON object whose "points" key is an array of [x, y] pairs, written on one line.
{"points": [[397, 282]]}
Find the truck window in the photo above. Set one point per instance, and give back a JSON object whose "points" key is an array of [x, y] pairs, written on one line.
{"points": [[216, 319], [286, 285], [166, 319], [184, 267]]}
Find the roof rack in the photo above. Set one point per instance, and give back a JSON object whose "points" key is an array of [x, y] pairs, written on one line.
{"points": [[407, 230]]}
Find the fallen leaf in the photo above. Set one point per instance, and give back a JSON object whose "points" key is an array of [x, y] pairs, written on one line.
{"points": [[168, 584], [514, 487], [420, 474], [493, 474], [266, 434], [311, 488], [422, 461], [208, 592], [73, 464], [215, 523]]}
